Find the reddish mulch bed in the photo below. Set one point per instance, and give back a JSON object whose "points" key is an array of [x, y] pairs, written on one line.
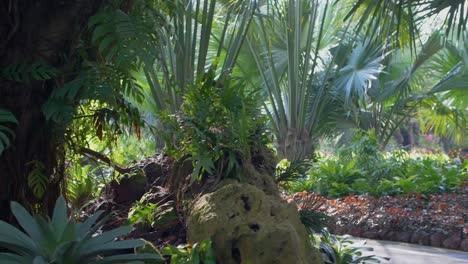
{"points": [[433, 220]]}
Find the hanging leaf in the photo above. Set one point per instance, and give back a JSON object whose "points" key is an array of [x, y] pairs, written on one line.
{"points": [[6, 134], [24, 72], [37, 179]]}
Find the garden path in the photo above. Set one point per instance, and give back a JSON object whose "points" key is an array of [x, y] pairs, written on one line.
{"points": [[403, 253]]}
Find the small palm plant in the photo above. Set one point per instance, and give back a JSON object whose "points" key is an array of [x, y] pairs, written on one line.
{"points": [[61, 240]]}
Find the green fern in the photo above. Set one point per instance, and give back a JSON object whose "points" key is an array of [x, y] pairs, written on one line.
{"points": [[5, 132], [82, 186], [37, 179], [124, 39], [23, 72], [100, 82]]}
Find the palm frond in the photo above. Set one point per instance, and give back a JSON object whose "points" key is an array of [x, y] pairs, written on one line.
{"points": [[363, 66], [401, 20], [439, 117]]}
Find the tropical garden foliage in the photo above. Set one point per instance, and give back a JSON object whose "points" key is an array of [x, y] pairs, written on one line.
{"points": [[95, 87]]}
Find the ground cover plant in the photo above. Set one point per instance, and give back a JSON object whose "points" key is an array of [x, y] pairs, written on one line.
{"points": [[360, 168], [191, 254]]}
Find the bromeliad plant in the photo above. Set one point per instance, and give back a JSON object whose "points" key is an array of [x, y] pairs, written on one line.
{"points": [[340, 250], [61, 240]]}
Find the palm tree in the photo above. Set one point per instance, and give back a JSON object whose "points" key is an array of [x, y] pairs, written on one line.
{"points": [[319, 73], [298, 48]]}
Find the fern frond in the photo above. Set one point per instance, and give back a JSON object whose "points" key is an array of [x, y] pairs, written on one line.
{"points": [[123, 39]]}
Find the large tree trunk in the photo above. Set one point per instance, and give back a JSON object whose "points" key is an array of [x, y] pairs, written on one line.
{"points": [[33, 31]]}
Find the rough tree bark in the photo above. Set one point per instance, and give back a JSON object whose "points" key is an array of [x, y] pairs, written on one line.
{"points": [[36, 30]]}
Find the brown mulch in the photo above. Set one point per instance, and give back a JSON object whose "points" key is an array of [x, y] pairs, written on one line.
{"points": [[439, 220]]}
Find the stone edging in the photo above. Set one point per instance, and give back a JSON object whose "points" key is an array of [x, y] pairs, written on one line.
{"points": [[454, 241]]}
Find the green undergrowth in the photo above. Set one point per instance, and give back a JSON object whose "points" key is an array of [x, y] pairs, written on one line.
{"points": [[361, 168]]}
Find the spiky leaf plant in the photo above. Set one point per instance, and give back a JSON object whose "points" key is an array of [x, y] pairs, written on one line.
{"points": [[61, 240]]}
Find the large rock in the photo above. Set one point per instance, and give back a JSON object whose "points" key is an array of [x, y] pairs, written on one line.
{"points": [[403, 237], [464, 245], [452, 242], [421, 238], [129, 187], [248, 226], [436, 240]]}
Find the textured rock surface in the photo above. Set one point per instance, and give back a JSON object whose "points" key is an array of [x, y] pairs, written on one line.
{"points": [[371, 235], [248, 226], [452, 242], [436, 240], [421, 238], [464, 245], [403, 237], [129, 187]]}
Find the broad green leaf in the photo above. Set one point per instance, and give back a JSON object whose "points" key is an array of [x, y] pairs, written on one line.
{"points": [[15, 240], [59, 217], [83, 228], [8, 258], [128, 257], [111, 246], [106, 237], [7, 116], [39, 260], [27, 222]]}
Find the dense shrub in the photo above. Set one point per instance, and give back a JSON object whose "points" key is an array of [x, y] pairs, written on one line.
{"points": [[361, 169]]}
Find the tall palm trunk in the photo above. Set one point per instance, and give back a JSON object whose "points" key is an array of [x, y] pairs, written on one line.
{"points": [[36, 31]]}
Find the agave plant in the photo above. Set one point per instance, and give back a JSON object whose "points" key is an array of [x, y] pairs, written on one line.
{"points": [[61, 240]]}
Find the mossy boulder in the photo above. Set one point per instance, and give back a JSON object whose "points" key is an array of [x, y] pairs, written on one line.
{"points": [[129, 187], [164, 217], [248, 226]]}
